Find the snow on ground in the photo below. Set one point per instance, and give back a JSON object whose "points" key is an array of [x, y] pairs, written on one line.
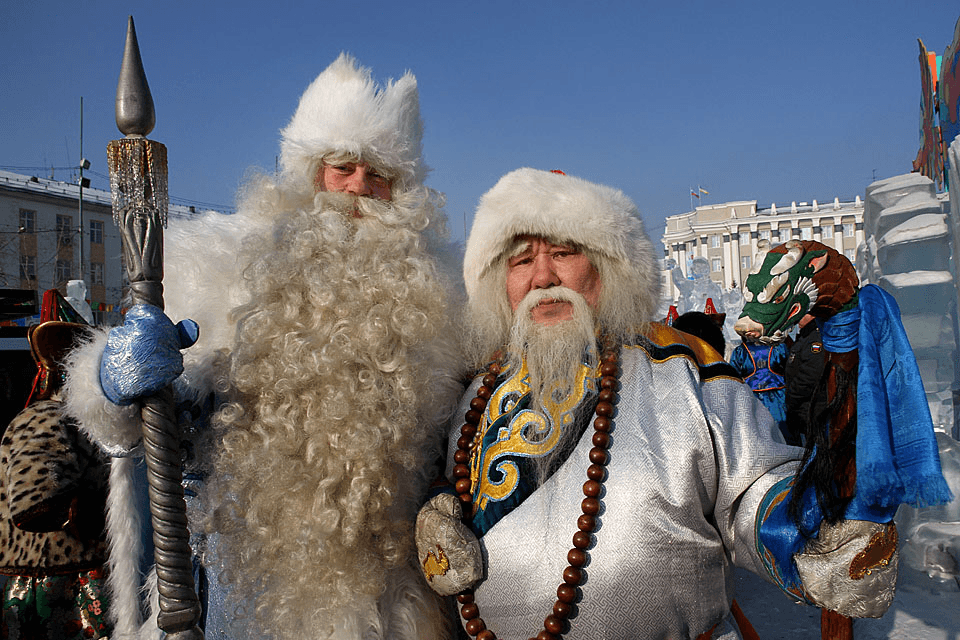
{"points": [[923, 609]]}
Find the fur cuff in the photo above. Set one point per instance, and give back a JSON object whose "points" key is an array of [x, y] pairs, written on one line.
{"points": [[116, 429]]}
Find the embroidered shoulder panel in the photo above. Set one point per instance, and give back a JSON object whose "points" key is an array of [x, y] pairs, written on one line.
{"points": [[662, 343]]}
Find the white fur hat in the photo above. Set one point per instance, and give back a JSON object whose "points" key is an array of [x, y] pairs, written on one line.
{"points": [[345, 110], [564, 209]]}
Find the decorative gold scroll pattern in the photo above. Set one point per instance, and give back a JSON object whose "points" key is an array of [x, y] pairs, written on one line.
{"points": [[528, 434]]}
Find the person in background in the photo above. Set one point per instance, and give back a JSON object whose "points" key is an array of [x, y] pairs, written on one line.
{"points": [[762, 367], [53, 492], [802, 375]]}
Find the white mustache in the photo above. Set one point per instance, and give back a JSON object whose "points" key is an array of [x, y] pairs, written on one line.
{"points": [[540, 296]]}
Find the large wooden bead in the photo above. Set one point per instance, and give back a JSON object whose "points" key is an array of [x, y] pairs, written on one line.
{"points": [[553, 624], [463, 486], [566, 593], [581, 540], [470, 611], [461, 457], [577, 557], [609, 382], [472, 417], [607, 395], [483, 391], [572, 575], [609, 369], [586, 523], [601, 439], [596, 473], [599, 456], [562, 609], [478, 404], [590, 506], [489, 380], [546, 635], [486, 634], [461, 471], [465, 500], [604, 409], [592, 489], [463, 442], [602, 423], [468, 431], [474, 626]]}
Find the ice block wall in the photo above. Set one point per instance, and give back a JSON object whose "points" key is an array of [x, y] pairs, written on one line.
{"points": [[908, 238]]}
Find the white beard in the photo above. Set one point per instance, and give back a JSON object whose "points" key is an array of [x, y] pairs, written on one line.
{"points": [[326, 448], [553, 354]]}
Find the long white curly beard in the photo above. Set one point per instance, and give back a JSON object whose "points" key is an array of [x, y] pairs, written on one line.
{"points": [[325, 455]]}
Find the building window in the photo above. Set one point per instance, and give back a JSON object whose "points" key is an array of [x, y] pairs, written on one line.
{"points": [[848, 229], [764, 234], [716, 264], [28, 221], [64, 224], [63, 270], [851, 255], [715, 241], [806, 233], [745, 262], [826, 231], [744, 237], [96, 273], [96, 232], [28, 268]]}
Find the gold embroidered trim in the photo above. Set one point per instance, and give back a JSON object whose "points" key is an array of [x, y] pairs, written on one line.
{"points": [[435, 565], [877, 554]]}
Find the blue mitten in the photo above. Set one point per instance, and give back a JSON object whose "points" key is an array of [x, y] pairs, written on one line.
{"points": [[143, 356]]}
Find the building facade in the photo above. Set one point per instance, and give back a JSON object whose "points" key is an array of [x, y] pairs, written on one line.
{"points": [[41, 236], [726, 235]]}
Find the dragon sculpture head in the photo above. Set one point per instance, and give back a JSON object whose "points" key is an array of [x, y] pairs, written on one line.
{"points": [[791, 280]]}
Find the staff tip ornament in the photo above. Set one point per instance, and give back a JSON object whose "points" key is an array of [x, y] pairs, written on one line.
{"points": [[134, 108]]}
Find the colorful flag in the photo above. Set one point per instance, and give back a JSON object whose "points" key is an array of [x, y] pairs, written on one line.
{"points": [[695, 194]]}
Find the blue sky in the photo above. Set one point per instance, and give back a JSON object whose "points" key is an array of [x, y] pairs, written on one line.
{"points": [[774, 101]]}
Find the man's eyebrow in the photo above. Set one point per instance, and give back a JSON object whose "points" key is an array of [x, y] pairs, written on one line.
{"points": [[520, 247]]}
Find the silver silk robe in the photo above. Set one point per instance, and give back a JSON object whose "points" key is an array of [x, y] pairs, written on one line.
{"points": [[691, 457]]}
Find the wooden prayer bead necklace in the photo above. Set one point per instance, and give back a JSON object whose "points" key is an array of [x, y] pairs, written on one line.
{"points": [[586, 523]]}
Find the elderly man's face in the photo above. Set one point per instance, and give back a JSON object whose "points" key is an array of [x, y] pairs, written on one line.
{"points": [[355, 178], [542, 265]]}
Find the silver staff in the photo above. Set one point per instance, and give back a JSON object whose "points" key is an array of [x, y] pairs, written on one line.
{"points": [[138, 183]]}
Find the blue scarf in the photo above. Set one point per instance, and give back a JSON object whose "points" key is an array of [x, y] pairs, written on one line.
{"points": [[897, 456]]}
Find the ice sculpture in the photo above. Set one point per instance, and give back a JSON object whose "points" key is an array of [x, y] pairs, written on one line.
{"points": [[909, 232]]}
